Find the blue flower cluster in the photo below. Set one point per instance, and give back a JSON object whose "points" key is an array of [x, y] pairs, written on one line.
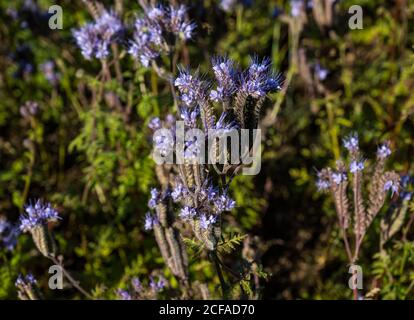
{"points": [[210, 204], [256, 81], [95, 38], [154, 29], [259, 79], [37, 215], [191, 87], [328, 178]]}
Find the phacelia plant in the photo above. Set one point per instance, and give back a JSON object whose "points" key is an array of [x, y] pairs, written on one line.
{"points": [[337, 181]]}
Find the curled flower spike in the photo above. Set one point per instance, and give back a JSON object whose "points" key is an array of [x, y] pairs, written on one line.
{"points": [[95, 38], [364, 209], [29, 109], [259, 79], [191, 87], [154, 30], [179, 25], [226, 78], [37, 215]]}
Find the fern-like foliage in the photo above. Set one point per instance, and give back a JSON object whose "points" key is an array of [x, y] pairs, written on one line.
{"points": [[229, 243]]}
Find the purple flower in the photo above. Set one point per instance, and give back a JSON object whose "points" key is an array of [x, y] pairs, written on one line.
{"points": [[209, 192], [193, 150], [406, 196], [351, 142], [178, 192], [321, 72], [123, 294], [259, 79], [217, 95], [356, 166], [179, 25], [205, 221], [148, 39], [323, 182], [187, 213], [136, 284], [226, 78], [36, 215], [157, 285], [338, 177], [189, 117], [150, 221], [383, 151], [391, 185], [155, 198], [224, 203], [95, 38], [154, 124], [23, 281], [191, 87], [164, 141], [296, 7]]}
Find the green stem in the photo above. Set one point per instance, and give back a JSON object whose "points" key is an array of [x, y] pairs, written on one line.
{"points": [[223, 284]]}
